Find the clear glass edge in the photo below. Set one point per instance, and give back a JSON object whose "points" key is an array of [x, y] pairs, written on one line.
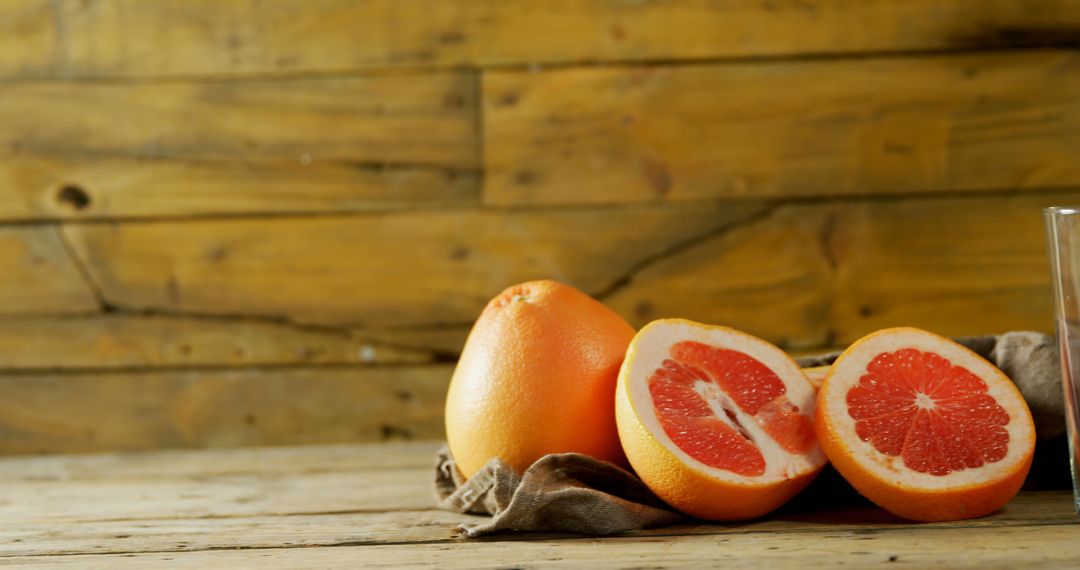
{"points": [[1052, 243], [1061, 210]]}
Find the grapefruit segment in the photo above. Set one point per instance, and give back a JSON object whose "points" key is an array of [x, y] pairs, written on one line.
{"points": [[716, 422], [924, 427]]}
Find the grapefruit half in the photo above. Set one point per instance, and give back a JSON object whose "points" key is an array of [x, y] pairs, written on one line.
{"points": [[715, 421], [924, 427]]}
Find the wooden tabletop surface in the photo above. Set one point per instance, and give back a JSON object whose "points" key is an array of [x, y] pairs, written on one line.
{"points": [[372, 505]]}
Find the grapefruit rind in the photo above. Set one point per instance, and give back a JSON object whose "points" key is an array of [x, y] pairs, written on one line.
{"points": [[816, 375], [537, 376], [671, 472], [885, 479]]}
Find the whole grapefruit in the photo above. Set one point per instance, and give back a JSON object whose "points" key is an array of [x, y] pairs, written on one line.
{"points": [[537, 376]]}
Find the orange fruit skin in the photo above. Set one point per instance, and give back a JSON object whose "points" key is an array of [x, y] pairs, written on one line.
{"points": [[919, 504], [913, 503], [686, 489], [537, 376]]}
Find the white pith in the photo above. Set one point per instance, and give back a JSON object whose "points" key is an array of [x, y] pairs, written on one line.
{"points": [[847, 371], [652, 348]]}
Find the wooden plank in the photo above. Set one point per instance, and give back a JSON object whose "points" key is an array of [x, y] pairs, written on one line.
{"points": [[416, 268], [132, 38], [28, 42], [968, 268], [1042, 546], [824, 274], [38, 275], [443, 341], [65, 538], [219, 408], [187, 535], [804, 275], [195, 465], [175, 485], [123, 341], [330, 495], [36, 188], [199, 148], [999, 121], [192, 497], [393, 119]]}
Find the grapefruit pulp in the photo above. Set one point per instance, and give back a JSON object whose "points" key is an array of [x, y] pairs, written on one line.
{"points": [[924, 427], [716, 422]]}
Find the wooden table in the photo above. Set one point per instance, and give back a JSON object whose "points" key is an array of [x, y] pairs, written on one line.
{"points": [[371, 505]]}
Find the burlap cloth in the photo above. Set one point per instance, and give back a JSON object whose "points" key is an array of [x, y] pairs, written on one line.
{"points": [[569, 492]]}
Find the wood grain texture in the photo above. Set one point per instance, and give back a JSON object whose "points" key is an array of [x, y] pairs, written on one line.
{"points": [[804, 275], [265, 221], [180, 534], [250, 532], [339, 506], [334, 496], [122, 341], [394, 119], [826, 274], [417, 268], [38, 275], [1042, 546], [28, 42], [442, 341], [317, 491], [783, 129], [40, 188], [191, 464], [400, 289], [48, 413], [123, 149], [174, 37]]}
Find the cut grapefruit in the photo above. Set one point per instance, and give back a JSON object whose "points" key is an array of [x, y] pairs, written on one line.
{"points": [[924, 427], [816, 375], [716, 422]]}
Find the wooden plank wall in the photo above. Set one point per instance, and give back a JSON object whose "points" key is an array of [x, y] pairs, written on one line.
{"points": [[228, 222]]}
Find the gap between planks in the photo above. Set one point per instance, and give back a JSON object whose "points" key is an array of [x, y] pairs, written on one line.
{"points": [[538, 208], [408, 70]]}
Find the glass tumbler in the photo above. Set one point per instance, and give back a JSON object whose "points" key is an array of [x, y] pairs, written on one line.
{"points": [[1063, 243]]}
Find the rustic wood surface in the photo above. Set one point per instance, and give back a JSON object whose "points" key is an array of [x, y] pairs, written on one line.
{"points": [[244, 146], [228, 222], [362, 305], [813, 128], [39, 274], [825, 272], [132, 342], [47, 187], [97, 411], [409, 269], [412, 119], [203, 37], [371, 505]]}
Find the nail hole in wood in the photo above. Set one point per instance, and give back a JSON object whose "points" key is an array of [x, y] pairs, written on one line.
{"points": [[74, 197]]}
